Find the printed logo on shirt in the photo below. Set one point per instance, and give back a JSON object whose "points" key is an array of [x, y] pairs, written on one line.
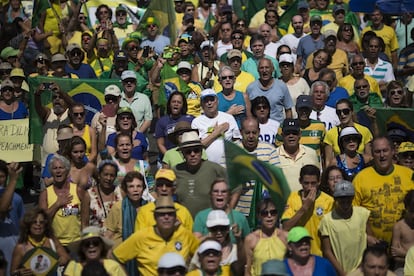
{"points": [[178, 246], [319, 211], [70, 209]]}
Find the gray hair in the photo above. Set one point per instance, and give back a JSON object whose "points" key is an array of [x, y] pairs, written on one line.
{"points": [[320, 83], [61, 158], [225, 68]]}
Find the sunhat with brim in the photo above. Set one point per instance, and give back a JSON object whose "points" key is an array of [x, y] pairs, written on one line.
{"points": [[298, 233], [17, 72], [171, 259], [179, 128], [64, 133], [190, 139], [124, 109], [89, 233], [164, 204], [349, 131], [274, 267]]}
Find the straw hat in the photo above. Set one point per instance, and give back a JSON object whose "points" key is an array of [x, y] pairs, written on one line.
{"points": [[89, 233]]}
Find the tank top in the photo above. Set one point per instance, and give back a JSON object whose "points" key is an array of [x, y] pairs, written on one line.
{"points": [[267, 249], [348, 171], [66, 222], [87, 138]]}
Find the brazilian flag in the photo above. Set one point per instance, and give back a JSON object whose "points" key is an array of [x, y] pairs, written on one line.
{"points": [[243, 167], [395, 118], [90, 92]]}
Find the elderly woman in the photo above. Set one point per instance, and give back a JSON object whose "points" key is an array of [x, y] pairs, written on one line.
{"points": [[396, 95], [36, 231], [120, 222], [349, 160], [299, 260], [92, 247], [99, 199], [62, 201], [268, 242], [345, 112]]}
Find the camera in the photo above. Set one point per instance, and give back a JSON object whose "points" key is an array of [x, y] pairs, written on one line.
{"points": [[145, 53]]}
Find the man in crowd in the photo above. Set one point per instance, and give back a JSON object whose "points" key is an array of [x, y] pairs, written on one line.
{"points": [[322, 112]]}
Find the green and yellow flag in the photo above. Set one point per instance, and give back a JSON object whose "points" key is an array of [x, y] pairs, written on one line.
{"points": [[243, 167], [395, 118]]}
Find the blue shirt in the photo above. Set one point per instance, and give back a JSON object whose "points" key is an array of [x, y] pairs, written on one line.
{"points": [[138, 151], [166, 125], [322, 267], [224, 105], [338, 94], [85, 71]]}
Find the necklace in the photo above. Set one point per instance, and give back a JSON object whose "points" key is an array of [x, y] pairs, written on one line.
{"points": [[35, 243]]}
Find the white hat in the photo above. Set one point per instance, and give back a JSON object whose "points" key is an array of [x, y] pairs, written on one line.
{"points": [[349, 131], [208, 92], [112, 90], [207, 245], [184, 65], [128, 74], [206, 43], [171, 259], [286, 58], [58, 57], [217, 217]]}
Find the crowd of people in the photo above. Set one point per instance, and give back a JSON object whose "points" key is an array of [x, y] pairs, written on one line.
{"points": [[304, 99]]}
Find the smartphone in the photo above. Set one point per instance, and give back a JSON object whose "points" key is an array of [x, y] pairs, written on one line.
{"points": [[109, 110], [146, 51]]}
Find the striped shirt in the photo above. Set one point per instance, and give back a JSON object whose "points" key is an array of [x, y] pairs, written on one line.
{"points": [[382, 71]]}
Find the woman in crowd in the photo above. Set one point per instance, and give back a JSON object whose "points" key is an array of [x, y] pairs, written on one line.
{"points": [[349, 160], [77, 116], [321, 59], [120, 222], [268, 127], [176, 112], [10, 107], [92, 247], [126, 124], [345, 112], [346, 41], [36, 231], [81, 172], [99, 199], [397, 95], [272, 18], [330, 176], [268, 242], [241, 25], [299, 260]]}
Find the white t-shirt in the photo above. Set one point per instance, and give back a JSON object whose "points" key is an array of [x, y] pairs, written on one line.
{"points": [[268, 131], [327, 116]]}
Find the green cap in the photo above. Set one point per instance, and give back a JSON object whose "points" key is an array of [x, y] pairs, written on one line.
{"points": [[124, 109], [297, 233], [316, 18]]}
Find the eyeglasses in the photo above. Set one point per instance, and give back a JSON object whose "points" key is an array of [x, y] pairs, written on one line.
{"points": [[262, 107], [344, 111], [393, 92], [220, 192], [172, 270], [191, 150], [350, 138], [132, 48], [267, 213], [358, 63], [110, 98], [361, 86], [219, 228], [125, 117], [91, 242], [211, 252], [227, 77], [77, 114], [406, 155]]}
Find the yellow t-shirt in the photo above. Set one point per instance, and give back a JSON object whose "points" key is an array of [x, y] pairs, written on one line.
{"points": [[147, 247], [331, 138], [323, 205], [339, 63], [383, 195], [111, 266], [242, 81]]}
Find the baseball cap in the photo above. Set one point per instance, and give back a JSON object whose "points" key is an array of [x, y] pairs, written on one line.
{"points": [[58, 57], [304, 101], [6, 83], [166, 174], [338, 7], [164, 204], [120, 55], [124, 109], [209, 245], [206, 43], [120, 8], [287, 58], [406, 147], [303, 5], [208, 92], [112, 89], [217, 217], [344, 188], [316, 18], [72, 47], [184, 65], [8, 52], [171, 259], [396, 133], [234, 53], [152, 21], [329, 33], [274, 267], [297, 233], [128, 74], [290, 125]]}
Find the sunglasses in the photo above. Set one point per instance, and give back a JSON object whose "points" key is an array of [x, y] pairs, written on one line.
{"points": [[75, 53], [319, 23], [77, 114], [42, 61], [285, 64], [219, 228], [358, 63], [111, 98], [267, 213], [129, 81], [172, 270], [152, 26], [160, 183], [6, 89], [290, 132], [237, 37], [406, 155], [86, 39], [339, 12], [361, 86], [132, 48], [227, 77], [125, 117], [348, 139], [82, 18], [170, 214], [262, 107], [225, 30], [121, 14], [91, 242], [344, 111], [191, 150], [210, 252], [241, 24], [347, 29], [393, 92]]}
